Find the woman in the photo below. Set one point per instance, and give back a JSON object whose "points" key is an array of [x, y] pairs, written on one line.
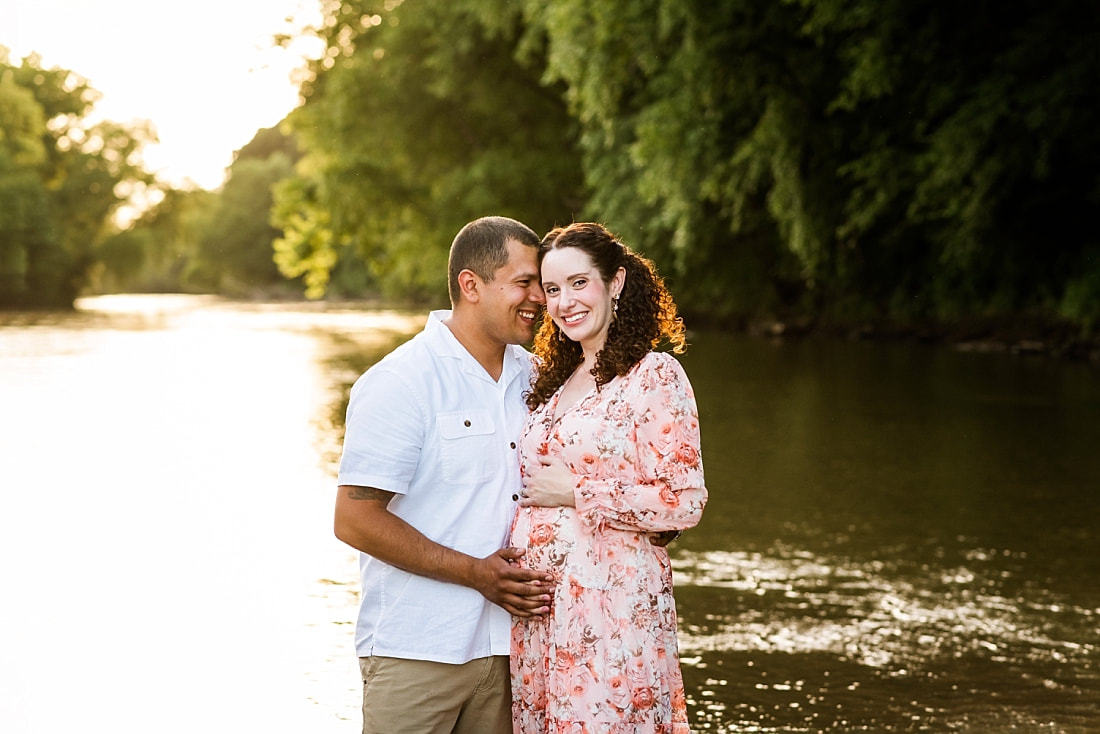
{"points": [[609, 456]]}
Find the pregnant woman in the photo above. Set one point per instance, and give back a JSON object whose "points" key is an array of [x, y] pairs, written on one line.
{"points": [[609, 457]]}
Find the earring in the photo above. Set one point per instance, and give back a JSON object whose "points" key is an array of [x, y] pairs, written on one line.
{"points": [[561, 335], [615, 306]]}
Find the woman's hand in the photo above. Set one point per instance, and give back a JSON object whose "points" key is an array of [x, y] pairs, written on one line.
{"points": [[550, 486]]}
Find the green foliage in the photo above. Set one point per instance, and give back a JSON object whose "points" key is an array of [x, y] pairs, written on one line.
{"points": [[266, 143], [842, 160], [211, 242], [157, 252], [896, 159], [235, 254], [962, 151], [421, 117], [61, 180], [1080, 302], [307, 248], [24, 221]]}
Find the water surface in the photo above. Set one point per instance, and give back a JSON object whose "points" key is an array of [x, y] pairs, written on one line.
{"points": [[899, 538]]}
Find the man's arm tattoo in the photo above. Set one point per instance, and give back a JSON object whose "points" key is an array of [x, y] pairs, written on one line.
{"points": [[369, 493]]}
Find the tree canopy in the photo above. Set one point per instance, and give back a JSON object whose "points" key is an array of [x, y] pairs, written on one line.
{"points": [[61, 180], [842, 159], [837, 161], [421, 117]]}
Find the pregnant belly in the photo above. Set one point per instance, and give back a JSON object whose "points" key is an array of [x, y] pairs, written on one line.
{"points": [[549, 535]]}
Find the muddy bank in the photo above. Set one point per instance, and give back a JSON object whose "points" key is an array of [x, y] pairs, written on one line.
{"points": [[1021, 337]]}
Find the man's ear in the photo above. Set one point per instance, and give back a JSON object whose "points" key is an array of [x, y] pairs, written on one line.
{"points": [[469, 285]]}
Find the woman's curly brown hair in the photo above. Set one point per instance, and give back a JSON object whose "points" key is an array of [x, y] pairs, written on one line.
{"points": [[646, 314]]}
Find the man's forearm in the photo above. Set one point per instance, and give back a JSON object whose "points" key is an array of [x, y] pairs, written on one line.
{"points": [[364, 522], [370, 527]]}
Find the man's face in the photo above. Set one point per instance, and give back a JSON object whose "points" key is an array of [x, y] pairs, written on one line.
{"points": [[513, 299]]}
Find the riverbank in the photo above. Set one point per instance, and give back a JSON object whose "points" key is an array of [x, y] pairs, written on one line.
{"points": [[1018, 337], [1021, 336]]}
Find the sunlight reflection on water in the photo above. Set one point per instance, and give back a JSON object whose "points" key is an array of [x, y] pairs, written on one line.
{"points": [[165, 516], [166, 480]]}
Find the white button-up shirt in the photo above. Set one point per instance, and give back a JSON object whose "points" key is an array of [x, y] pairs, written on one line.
{"points": [[428, 423]]}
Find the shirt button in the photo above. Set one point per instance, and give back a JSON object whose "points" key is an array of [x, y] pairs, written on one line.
{"points": [[513, 444], [466, 423]]}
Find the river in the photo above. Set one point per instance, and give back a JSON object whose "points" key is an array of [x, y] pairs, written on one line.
{"points": [[899, 537]]}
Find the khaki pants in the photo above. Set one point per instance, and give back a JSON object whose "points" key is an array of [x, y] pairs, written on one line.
{"points": [[424, 697]]}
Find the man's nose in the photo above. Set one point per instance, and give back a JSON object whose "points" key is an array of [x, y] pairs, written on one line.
{"points": [[537, 295]]}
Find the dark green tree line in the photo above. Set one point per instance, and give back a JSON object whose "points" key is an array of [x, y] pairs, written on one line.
{"points": [[837, 159]]}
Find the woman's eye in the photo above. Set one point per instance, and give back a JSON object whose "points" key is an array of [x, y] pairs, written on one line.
{"points": [[579, 283]]}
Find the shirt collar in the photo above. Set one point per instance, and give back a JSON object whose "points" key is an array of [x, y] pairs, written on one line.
{"points": [[445, 344]]}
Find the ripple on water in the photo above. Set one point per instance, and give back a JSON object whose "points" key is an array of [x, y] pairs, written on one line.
{"points": [[807, 642]]}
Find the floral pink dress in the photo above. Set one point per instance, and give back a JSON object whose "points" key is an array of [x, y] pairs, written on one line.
{"points": [[605, 659]]}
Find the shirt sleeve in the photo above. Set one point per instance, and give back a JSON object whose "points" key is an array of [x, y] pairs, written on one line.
{"points": [[383, 435], [666, 491]]}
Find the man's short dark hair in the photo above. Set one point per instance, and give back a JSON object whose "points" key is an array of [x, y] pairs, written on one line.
{"points": [[480, 247]]}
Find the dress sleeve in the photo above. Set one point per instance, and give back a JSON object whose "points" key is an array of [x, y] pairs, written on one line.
{"points": [[662, 488]]}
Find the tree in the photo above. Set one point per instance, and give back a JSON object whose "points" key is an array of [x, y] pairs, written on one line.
{"points": [[158, 251], [914, 159], [420, 117], [209, 241], [235, 253], [25, 231], [65, 178], [839, 160]]}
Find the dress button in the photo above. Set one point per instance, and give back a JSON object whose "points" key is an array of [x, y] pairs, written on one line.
{"points": [[466, 423]]}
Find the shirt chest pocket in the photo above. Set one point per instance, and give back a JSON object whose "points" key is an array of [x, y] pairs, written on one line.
{"points": [[467, 446]]}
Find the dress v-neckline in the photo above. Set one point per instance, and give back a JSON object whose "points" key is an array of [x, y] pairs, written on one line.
{"points": [[555, 414]]}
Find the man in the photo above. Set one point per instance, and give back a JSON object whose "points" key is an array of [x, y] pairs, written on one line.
{"points": [[427, 479]]}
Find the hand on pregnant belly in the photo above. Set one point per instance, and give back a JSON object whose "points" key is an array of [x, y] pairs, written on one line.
{"points": [[549, 485]]}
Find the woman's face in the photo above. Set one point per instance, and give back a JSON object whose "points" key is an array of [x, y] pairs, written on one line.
{"points": [[577, 299]]}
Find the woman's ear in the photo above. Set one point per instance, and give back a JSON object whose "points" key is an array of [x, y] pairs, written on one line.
{"points": [[469, 285], [618, 282]]}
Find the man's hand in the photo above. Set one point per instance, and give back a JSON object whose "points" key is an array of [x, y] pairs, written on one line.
{"points": [[520, 591], [364, 522], [662, 539]]}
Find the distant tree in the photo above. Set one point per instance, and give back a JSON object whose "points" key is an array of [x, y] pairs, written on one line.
{"points": [[158, 250], [209, 241], [267, 142], [62, 179], [26, 231], [235, 254]]}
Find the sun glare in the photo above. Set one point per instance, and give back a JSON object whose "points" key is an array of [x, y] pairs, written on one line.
{"points": [[206, 74]]}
